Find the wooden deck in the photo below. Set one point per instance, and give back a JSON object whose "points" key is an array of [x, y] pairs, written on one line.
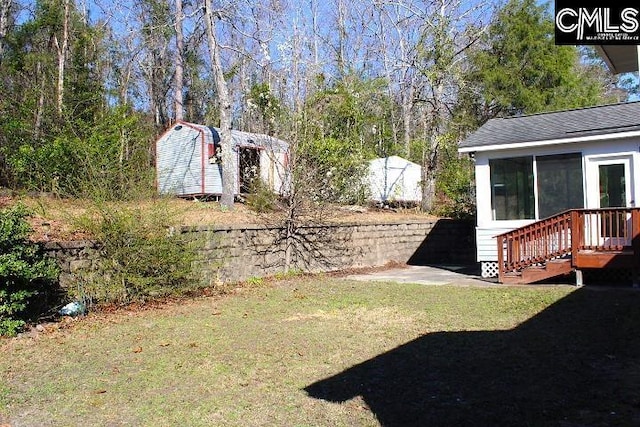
{"points": [[570, 241]]}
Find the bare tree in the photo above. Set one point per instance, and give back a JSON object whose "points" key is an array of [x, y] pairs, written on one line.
{"points": [[179, 107], [446, 39], [62, 50], [425, 52], [224, 102], [5, 9], [156, 62]]}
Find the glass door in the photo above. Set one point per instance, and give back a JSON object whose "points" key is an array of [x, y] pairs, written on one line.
{"points": [[613, 189], [610, 186]]}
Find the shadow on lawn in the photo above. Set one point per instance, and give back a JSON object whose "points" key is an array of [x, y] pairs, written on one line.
{"points": [[577, 363]]}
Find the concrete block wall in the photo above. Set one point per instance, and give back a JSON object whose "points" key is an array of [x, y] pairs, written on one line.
{"points": [[73, 257], [238, 253], [232, 254]]}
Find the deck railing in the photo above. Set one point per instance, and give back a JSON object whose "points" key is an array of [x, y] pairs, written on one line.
{"points": [[597, 230], [609, 229], [534, 243]]}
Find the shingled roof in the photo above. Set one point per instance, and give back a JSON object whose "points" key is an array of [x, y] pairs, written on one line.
{"points": [[560, 125]]}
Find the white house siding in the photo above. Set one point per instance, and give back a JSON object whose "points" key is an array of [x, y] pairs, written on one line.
{"points": [[592, 151], [486, 244], [179, 161]]}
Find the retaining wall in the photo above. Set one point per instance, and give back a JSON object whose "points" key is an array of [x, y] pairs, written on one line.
{"points": [[232, 254]]}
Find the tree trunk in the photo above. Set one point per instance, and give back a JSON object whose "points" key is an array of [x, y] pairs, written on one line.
{"points": [[428, 184], [433, 122], [342, 39], [5, 6], [62, 57], [179, 107], [429, 191], [37, 126], [226, 141], [407, 106]]}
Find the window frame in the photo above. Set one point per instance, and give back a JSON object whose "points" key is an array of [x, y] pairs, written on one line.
{"points": [[534, 158]]}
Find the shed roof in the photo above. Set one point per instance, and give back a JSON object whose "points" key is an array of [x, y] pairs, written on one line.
{"points": [[240, 138], [556, 127], [392, 162]]}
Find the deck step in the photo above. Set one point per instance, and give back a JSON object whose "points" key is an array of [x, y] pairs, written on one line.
{"points": [[553, 268]]}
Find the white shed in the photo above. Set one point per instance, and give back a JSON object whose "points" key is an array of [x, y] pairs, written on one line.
{"points": [[394, 179], [188, 161]]}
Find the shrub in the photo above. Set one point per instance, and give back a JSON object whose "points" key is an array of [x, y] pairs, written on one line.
{"points": [[141, 258], [108, 159], [334, 169], [24, 270], [455, 187], [261, 198]]}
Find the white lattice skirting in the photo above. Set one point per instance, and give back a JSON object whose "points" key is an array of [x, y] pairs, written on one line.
{"points": [[489, 269]]}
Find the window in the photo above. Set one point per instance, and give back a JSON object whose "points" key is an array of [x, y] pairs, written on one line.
{"points": [[512, 188], [559, 183]]}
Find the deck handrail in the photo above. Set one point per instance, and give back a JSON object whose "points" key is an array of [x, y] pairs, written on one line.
{"points": [[603, 230], [534, 243]]}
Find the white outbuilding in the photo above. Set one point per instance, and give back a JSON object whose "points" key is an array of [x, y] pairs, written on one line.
{"points": [[394, 180], [188, 161]]}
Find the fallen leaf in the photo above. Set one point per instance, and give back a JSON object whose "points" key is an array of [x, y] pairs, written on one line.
{"points": [[101, 391], [137, 350], [165, 344]]}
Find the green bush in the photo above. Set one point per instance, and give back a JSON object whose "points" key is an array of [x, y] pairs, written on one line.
{"points": [[335, 169], [141, 258], [106, 160], [455, 185], [24, 271], [261, 198]]}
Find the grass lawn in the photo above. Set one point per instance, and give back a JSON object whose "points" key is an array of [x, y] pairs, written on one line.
{"points": [[323, 351]]}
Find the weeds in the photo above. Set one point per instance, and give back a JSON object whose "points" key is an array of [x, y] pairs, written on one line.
{"points": [[255, 281], [261, 198], [141, 257]]}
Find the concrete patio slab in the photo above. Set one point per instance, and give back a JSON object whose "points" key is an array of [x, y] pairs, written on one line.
{"points": [[425, 275]]}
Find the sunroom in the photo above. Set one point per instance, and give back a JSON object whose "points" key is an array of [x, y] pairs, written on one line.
{"points": [[533, 168]]}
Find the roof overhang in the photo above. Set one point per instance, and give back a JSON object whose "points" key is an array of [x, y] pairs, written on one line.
{"points": [[531, 144], [620, 58]]}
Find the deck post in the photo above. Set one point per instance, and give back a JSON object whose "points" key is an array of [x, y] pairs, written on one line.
{"points": [[635, 243], [500, 243], [579, 278], [576, 236]]}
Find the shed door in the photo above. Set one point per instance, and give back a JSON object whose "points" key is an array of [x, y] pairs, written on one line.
{"points": [[249, 168]]}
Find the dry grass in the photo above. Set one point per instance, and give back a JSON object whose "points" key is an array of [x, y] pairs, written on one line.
{"points": [[55, 219], [322, 351]]}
